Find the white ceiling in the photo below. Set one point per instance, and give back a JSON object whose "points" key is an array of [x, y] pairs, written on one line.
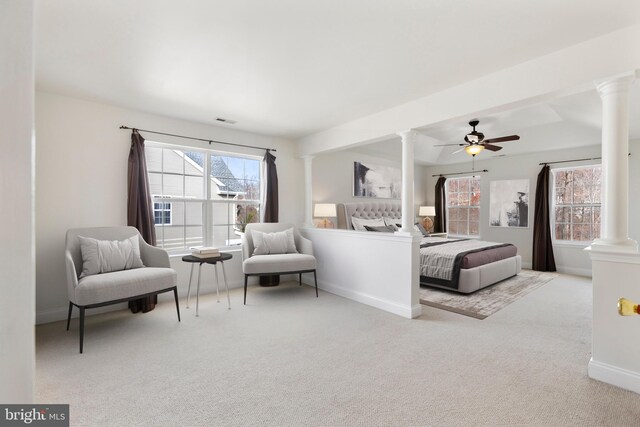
{"points": [[567, 122], [293, 67]]}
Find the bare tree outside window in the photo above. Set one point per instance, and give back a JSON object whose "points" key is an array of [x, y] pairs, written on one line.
{"points": [[576, 204]]}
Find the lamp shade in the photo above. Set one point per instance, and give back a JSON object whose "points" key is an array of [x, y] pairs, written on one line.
{"points": [[325, 210], [427, 211], [474, 149]]}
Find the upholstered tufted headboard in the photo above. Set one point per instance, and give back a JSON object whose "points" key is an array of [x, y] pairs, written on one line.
{"points": [[367, 210]]}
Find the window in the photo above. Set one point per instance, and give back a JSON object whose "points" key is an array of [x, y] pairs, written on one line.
{"points": [[463, 206], [162, 213], [191, 210], [576, 204]]}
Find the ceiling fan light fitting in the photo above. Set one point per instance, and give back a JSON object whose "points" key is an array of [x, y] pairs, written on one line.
{"points": [[473, 149]]}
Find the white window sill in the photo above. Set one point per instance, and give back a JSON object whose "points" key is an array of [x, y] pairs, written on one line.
{"points": [[570, 244]]}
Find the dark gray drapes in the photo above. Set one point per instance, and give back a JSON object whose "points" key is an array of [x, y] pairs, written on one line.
{"points": [[140, 207], [543, 259], [270, 204], [440, 221]]}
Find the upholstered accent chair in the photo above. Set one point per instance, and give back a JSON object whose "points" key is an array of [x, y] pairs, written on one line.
{"points": [[256, 263], [97, 290]]}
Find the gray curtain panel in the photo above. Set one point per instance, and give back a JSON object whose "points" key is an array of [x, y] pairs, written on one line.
{"points": [[270, 205], [543, 259], [440, 221], [140, 207]]}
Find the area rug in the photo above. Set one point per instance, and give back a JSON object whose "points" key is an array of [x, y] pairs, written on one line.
{"points": [[487, 301]]}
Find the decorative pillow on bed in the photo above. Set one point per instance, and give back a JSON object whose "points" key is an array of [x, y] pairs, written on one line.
{"points": [[104, 256], [393, 222], [359, 223], [281, 242], [421, 229], [383, 229]]}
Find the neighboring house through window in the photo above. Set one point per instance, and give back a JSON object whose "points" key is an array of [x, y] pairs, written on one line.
{"points": [[190, 210], [576, 204], [463, 206], [161, 213]]}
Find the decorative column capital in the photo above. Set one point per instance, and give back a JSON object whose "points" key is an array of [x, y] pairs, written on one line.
{"points": [[307, 157], [408, 134], [613, 85]]}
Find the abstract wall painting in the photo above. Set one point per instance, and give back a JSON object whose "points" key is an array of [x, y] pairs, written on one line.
{"points": [[371, 180], [509, 203]]}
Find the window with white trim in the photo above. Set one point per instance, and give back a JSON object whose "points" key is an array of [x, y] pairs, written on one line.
{"points": [[576, 204], [463, 206], [191, 210], [162, 213]]}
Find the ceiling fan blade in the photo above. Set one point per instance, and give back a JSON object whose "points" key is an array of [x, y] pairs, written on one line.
{"points": [[459, 150], [502, 139], [492, 147], [448, 145]]}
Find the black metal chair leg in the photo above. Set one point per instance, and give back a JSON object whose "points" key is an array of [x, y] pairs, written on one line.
{"points": [[175, 296], [69, 315], [245, 288], [300, 278], [316, 280], [81, 328]]}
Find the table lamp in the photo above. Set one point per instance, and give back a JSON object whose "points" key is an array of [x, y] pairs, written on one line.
{"points": [[326, 211], [427, 212]]}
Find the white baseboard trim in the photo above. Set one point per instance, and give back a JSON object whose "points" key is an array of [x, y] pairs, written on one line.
{"points": [[614, 375], [586, 272], [406, 311]]}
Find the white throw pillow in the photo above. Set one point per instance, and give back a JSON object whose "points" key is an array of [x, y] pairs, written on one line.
{"points": [[281, 242], [104, 256], [393, 221], [359, 223]]}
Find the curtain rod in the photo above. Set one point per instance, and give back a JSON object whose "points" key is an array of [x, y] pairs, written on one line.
{"points": [[575, 160], [459, 173], [198, 139]]}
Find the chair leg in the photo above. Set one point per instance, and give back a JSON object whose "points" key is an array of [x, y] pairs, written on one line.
{"points": [[175, 296], [245, 288], [300, 278], [316, 280], [81, 328], [69, 315]]}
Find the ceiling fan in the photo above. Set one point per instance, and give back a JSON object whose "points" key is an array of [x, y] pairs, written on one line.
{"points": [[475, 141]]}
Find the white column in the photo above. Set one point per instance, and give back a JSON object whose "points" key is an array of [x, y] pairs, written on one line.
{"points": [[308, 191], [408, 142], [614, 230]]}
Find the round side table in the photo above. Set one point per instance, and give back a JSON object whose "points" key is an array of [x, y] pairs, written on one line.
{"points": [[210, 260]]}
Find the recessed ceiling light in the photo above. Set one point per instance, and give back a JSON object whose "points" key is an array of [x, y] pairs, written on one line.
{"points": [[223, 120]]}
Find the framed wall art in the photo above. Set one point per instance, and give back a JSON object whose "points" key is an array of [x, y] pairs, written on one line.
{"points": [[371, 180], [509, 203]]}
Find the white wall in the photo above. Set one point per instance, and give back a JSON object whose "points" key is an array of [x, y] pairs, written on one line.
{"points": [[333, 177], [81, 177], [569, 258], [377, 269], [17, 268]]}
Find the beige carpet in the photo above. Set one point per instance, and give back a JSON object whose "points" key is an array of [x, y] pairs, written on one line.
{"points": [[291, 359], [485, 302]]}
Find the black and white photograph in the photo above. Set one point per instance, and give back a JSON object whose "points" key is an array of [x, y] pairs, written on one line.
{"points": [[509, 203], [371, 180]]}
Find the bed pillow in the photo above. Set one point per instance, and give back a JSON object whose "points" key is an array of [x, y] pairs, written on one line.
{"points": [[359, 223], [392, 222], [104, 256], [281, 242], [421, 229], [383, 229]]}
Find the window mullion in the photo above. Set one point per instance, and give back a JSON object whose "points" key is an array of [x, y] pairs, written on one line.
{"points": [[207, 214]]}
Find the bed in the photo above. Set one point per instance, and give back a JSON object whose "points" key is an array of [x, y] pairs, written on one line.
{"points": [[460, 265]]}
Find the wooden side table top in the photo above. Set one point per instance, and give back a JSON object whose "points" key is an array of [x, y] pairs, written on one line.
{"points": [[209, 260]]}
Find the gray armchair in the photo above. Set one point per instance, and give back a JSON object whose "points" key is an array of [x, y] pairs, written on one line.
{"points": [[115, 287], [274, 264]]}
